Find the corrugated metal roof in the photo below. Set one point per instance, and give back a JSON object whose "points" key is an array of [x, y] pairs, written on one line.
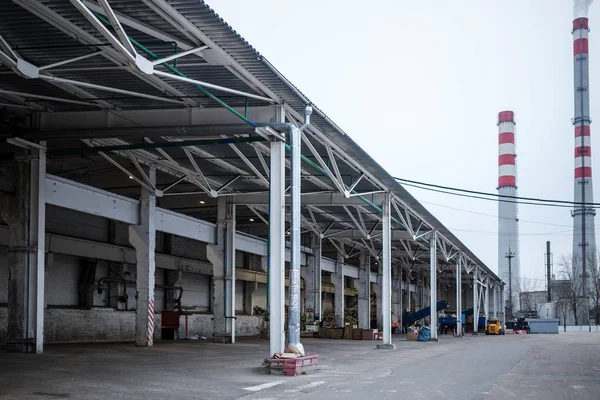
{"points": [[29, 35]]}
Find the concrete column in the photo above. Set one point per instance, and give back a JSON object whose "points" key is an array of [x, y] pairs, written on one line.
{"points": [[312, 281], [364, 291], [222, 257], [25, 214], [337, 279], [172, 278], [386, 285], [433, 284], [143, 238], [172, 300], [275, 289], [459, 296], [248, 292]]}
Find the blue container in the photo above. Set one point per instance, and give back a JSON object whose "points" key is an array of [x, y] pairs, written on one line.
{"points": [[425, 334]]}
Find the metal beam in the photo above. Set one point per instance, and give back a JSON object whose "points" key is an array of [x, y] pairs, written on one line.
{"points": [[318, 199]]}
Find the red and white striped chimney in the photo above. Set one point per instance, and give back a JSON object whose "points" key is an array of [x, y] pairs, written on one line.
{"points": [[507, 175], [508, 229], [584, 231]]}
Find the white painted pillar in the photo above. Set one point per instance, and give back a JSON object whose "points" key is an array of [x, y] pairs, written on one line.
{"points": [[486, 306], [277, 249], [395, 290], [229, 261], [495, 300], [433, 284], [143, 238], [222, 257], [38, 240], [475, 302], [312, 281], [364, 291], [459, 296], [386, 285], [337, 279], [377, 288], [401, 303]]}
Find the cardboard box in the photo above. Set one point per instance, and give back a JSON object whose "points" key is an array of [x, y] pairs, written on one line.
{"points": [[412, 336], [357, 334], [368, 334]]}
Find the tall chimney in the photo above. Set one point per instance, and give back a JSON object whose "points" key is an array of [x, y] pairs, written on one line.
{"points": [[584, 238], [508, 230], [548, 270]]}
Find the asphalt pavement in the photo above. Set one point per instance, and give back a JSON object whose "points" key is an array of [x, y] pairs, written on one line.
{"points": [[549, 367]]}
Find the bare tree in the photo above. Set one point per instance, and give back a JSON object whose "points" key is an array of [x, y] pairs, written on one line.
{"points": [[571, 289], [529, 295], [593, 285]]}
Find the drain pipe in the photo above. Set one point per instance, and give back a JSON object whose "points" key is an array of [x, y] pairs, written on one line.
{"points": [[293, 342]]}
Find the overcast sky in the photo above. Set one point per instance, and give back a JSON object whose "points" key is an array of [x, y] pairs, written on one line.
{"points": [[419, 84]]}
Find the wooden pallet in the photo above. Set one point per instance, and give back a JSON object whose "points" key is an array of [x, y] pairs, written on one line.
{"points": [[293, 366]]}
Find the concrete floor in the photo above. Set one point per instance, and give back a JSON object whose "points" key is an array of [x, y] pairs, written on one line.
{"points": [[517, 366]]}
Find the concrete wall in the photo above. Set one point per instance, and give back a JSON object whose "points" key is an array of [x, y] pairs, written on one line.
{"points": [[111, 320], [74, 325]]}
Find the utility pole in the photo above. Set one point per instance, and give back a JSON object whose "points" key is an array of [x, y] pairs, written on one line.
{"points": [[510, 256]]}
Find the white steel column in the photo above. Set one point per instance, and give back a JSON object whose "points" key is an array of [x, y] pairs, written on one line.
{"points": [[495, 300], [312, 281], [377, 288], [459, 296], [229, 267], [433, 284], [222, 257], [486, 306], [395, 289], [294, 287], [475, 303], [317, 256], [401, 310], [337, 279], [37, 237], [276, 249], [386, 284], [502, 308], [143, 238], [364, 291]]}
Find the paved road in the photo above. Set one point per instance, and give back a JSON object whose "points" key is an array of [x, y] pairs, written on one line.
{"points": [[537, 367], [548, 367]]}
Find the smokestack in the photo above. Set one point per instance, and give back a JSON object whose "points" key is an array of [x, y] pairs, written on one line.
{"points": [[584, 238], [508, 232], [548, 272]]}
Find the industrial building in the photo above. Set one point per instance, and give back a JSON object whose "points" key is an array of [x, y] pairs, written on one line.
{"points": [[153, 161]]}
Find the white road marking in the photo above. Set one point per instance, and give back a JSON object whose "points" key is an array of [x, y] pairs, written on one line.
{"points": [[307, 386], [329, 371], [263, 386], [507, 391]]}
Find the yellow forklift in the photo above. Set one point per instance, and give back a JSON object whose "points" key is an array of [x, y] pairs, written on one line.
{"points": [[494, 327]]}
